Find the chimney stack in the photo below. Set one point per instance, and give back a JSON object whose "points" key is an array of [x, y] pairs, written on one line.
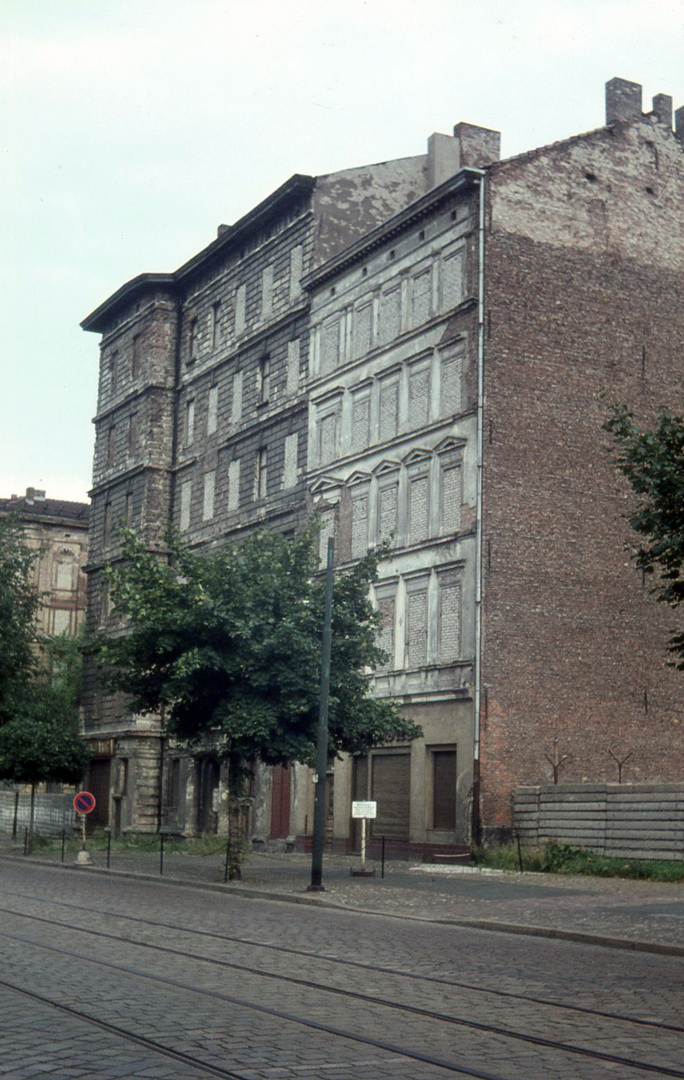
{"points": [[469, 147], [623, 100]]}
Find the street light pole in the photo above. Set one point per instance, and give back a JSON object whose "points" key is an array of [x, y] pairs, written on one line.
{"points": [[322, 743]]}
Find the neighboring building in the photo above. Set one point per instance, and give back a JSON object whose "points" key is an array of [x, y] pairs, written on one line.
{"points": [[438, 382], [58, 531]]}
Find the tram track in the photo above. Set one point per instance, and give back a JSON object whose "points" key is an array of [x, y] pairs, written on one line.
{"points": [[328, 958], [310, 984]]}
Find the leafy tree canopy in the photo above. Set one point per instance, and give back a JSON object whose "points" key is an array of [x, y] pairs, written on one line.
{"points": [[229, 642], [19, 603], [35, 750], [652, 460]]}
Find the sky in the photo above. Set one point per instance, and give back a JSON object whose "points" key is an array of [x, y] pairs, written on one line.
{"points": [[131, 128]]}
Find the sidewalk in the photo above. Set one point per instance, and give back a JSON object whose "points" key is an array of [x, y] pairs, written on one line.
{"points": [[611, 911]]}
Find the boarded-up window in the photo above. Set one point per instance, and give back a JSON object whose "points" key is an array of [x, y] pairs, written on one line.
{"points": [[330, 347], [261, 473], [386, 635], [452, 497], [107, 526], [421, 300], [416, 629], [363, 323], [391, 789], [327, 430], [452, 280], [132, 433], [451, 385], [388, 511], [290, 466], [110, 448], [136, 359], [390, 314], [267, 292], [186, 497], [296, 264], [449, 622], [215, 325], [263, 379], [292, 367], [61, 621], [209, 491], [359, 525], [212, 410], [236, 410], [419, 397], [240, 308], [444, 789], [389, 408], [189, 423], [234, 484], [419, 504]]}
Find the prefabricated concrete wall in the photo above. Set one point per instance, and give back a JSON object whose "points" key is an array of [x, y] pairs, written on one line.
{"points": [[53, 813], [640, 821]]}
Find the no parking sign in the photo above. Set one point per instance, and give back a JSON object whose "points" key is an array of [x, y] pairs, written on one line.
{"points": [[84, 802]]}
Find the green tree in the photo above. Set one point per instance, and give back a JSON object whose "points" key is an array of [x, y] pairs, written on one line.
{"points": [[652, 460], [19, 604], [228, 643]]}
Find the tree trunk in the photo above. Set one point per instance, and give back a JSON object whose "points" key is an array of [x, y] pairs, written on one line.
{"points": [[29, 846], [235, 776]]}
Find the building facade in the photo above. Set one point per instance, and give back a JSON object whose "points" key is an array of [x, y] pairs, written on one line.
{"points": [[57, 531], [419, 351]]}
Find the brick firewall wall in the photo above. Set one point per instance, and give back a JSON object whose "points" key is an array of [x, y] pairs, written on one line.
{"points": [[573, 644]]}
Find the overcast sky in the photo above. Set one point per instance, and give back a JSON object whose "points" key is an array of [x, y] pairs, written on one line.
{"points": [[132, 128]]}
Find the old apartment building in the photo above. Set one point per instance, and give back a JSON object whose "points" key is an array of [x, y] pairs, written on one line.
{"points": [[419, 350], [57, 530]]}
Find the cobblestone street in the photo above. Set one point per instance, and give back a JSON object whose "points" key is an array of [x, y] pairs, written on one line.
{"points": [[123, 976]]}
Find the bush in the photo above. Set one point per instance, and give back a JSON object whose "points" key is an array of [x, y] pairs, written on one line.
{"points": [[566, 859]]}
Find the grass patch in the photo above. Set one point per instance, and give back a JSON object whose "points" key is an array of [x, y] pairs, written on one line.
{"points": [[565, 859]]}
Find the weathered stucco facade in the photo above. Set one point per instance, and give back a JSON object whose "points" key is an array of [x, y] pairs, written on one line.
{"points": [[419, 350]]}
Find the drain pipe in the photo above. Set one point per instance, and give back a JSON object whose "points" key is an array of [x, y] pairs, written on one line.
{"points": [[476, 825]]}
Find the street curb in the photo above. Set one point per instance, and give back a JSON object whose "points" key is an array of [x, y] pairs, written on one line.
{"points": [[237, 889]]}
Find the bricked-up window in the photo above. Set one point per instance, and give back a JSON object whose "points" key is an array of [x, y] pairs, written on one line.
{"points": [[136, 359], [327, 437], [296, 268], [416, 628], [133, 433], [449, 619], [190, 422], [419, 396], [361, 419], [444, 789], [385, 638], [209, 491], [359, 537], [451, 498], [267, 292], [61, 621], [261, 473], [421, 297], [389, 407], [387, 508], [240, 309], [236, 404], [110, 449], [128, 509], [263, 379], [330, 346], [363, 329], [452, 280], [327, 520], [293, 352], [450, 370], [290, 465], [113, 371], [390, 314], [192, 339], [186, 500], [64, 574], [215, 325], [234, 484], [419, 507], [212, 410], [107, 525]]}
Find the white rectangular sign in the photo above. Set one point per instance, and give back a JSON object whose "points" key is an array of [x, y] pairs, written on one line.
{"points": [[364, 809]]}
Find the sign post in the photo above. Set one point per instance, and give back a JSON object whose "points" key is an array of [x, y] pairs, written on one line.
{"points": [[364, 810], [84, 804]]}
